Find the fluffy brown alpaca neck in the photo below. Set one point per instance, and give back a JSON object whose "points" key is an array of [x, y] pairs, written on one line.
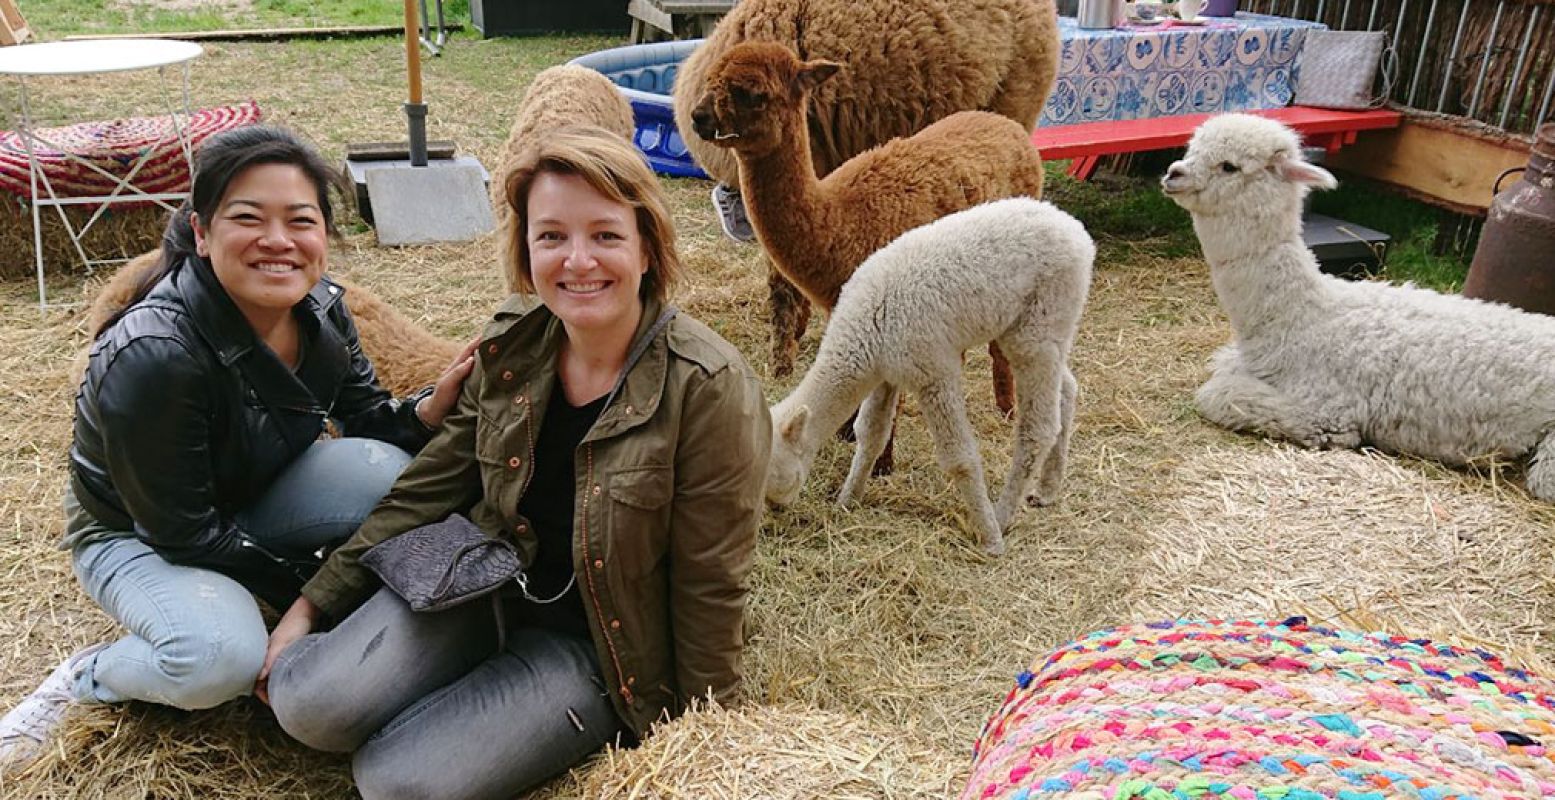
{"points": [[788, 209]]}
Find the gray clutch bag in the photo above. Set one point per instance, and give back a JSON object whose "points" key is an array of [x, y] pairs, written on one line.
{"points": [[443, 564]]}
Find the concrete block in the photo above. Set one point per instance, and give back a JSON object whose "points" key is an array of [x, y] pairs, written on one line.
{"points": [[444, 201]]}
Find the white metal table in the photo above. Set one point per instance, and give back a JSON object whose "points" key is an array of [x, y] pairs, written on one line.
{"points": [[91, 57]]}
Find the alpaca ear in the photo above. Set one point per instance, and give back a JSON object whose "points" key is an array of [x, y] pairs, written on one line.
{"points": [[1297, 171], [792, 428], [814, 73]]}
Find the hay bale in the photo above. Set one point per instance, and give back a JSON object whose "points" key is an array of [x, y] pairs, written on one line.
{"points": [[774, 753], [87, 159], [1265, 710], [123, 231]]}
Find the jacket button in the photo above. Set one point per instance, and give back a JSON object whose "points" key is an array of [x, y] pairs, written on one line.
{"points": [[515, 461], [615, 624], [520, 527], [599, 563], [491, 348], [507, 374], [596, 490], [519, 400], [628, 408], [631, 680]]}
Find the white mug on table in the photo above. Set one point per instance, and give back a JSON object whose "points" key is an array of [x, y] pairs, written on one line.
{"points": [[1189, 9]]}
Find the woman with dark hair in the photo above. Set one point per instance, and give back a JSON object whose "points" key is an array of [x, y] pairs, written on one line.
{"points": [[204, 469], [620, 448]]}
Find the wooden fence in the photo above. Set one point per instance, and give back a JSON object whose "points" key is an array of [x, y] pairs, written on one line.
{"points": [[1487, 60]]}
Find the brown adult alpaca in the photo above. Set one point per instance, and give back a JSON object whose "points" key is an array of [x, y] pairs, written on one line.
{"points": [[818, 230], [907, 63], [405, 355]]}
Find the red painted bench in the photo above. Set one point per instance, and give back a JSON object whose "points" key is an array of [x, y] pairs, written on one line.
{"points": [[1085, 143]]}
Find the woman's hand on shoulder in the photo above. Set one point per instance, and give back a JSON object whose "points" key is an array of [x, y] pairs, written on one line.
{"points": [[445, 392], [297, 622]]}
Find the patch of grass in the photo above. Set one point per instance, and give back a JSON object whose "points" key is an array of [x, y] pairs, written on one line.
{"points": [[54, 19], [1125, 213], [1412, 226]]}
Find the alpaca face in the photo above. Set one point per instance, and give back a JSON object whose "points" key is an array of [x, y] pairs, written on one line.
{"points": [[789, 464], [1239, 163], [748, 92]]}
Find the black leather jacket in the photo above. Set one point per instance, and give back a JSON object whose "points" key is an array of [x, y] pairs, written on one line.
{"points": [[183, 417]]}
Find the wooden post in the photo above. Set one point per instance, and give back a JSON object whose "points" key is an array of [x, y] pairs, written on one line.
{"points": [[412, 49], [13, 29]]}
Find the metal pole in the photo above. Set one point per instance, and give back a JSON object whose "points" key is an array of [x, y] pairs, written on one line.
{"points": [[1517, 69], [1544, 107], [1484, 62], [1371, 21], [32, 177], [1425, 46], [1452, 57], [1389, 82], [1344, 15]]}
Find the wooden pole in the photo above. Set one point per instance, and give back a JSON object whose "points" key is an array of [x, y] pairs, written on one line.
{"points": [[413, 50]]}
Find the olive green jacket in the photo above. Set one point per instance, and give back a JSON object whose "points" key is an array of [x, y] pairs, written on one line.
{"points": [[669, 496]]}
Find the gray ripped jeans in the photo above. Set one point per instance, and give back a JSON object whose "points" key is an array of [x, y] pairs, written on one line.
{"points": [[430, 708]]}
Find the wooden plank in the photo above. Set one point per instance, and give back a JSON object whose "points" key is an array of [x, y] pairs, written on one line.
{"points": [[13, 28], [696, 6], [1445, 161], [393, 151], [651, 14], [1132, 136], [266, 34]]}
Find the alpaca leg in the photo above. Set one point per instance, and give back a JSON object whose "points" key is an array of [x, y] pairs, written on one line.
{"points": [[1003, 380], [790, 316], [872, 430], [1541, 469], [944, 410], [1051, 479], [1239, 401], [1037, 429]]}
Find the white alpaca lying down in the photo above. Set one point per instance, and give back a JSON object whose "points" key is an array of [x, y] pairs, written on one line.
{"points": [[1016, 271], [1330, 363]]}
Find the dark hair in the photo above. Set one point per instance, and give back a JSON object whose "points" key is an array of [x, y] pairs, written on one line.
{"points": [[217, 162]]}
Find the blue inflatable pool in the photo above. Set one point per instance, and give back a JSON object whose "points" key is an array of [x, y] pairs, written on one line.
{"points": [[645, 73]]}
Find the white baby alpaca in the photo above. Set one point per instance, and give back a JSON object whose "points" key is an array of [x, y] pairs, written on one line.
{"points": [[1016, 271]]}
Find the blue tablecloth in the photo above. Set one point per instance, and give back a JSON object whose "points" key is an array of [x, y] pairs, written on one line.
{"points": [[1227, 64]]}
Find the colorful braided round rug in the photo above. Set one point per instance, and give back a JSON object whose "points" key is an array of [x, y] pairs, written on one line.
{"points": [[115, 146], [1204, 710]]}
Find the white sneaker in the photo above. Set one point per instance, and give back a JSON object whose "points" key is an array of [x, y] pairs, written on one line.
{"points": [[25, 730], [731, 214]]}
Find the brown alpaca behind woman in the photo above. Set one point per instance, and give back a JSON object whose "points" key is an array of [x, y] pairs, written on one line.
{"points": [[907, 64], [405, 355], [559, 97]]}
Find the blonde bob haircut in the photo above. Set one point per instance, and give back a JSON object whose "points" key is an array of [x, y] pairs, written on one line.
{"points": [[616, 170]]}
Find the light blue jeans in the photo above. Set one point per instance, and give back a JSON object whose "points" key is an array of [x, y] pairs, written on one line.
{"points": [[196, 638]]}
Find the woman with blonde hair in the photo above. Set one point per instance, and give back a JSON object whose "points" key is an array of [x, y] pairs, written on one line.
{"points": [[620, 448]]}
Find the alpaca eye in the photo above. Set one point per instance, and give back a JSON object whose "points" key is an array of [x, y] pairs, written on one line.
{"points": [[745, 97], [1228, 167]]}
